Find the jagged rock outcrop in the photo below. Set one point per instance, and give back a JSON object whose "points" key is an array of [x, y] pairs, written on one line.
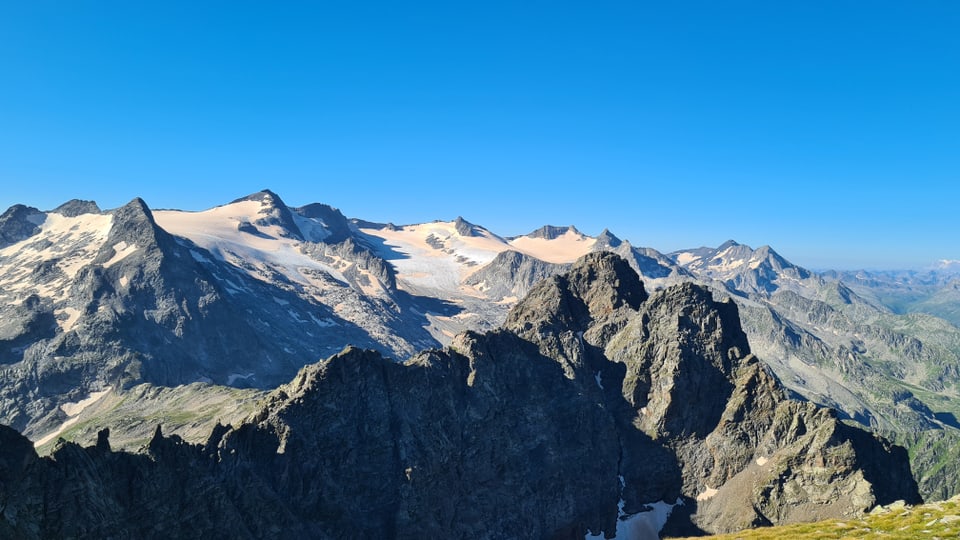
{"points": [[19, 222], [551, 232], [511, 274], [357, 264], [593, 402], [464, 227], [77, 207]]}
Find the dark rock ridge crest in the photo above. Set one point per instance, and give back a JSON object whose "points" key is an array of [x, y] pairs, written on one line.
{"points": [[77, 207], [16, 224], [550, 232], [592, 396]]}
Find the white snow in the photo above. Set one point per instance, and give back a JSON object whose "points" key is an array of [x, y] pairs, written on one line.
{"points": [[313, 230], [727, 265], [73, 242], [72, 410], [121, 251], [444, 268], [234, 376], [72, 265], [435, 256], [259, 254], [232, 287], [642, 525], [599, 382], [684, 259], [72, 315], [60, 429], [566, 248], [199, 257], [707, 493], [322, 323]]}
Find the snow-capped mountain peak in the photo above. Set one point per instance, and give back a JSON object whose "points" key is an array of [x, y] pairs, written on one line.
{"points": [[258, 234], [741, 267]]}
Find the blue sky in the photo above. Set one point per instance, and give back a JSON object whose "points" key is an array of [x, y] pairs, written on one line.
{"points": [[829, 130]]}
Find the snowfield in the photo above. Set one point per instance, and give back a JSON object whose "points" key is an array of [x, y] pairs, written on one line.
{"points": [[228, 232], [566, 248], [435, 256], [71, 242]]}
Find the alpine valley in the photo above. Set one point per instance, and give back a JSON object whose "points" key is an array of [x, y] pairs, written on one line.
{"points": [[262, 371]]}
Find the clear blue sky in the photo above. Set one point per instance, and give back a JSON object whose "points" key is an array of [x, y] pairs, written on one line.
{"points": [[829, 130]]}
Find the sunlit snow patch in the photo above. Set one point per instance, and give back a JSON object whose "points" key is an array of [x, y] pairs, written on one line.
{"points": [[72, 410]]}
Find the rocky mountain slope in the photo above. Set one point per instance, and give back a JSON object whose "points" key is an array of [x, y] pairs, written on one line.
{"points": [[97, 303], [896, 373], [898, 521], [596, 409]]}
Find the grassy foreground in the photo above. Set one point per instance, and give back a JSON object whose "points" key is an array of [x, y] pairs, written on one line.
{"points": [[896, 521]]}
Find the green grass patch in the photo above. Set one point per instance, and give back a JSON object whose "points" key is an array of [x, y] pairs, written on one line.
{"points": [[935, 520]]}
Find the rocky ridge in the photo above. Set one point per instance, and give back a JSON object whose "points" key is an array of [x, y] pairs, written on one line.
{"points": [[594, 401]]}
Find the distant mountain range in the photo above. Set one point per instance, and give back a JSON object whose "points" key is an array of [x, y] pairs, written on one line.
{"points": [[235, 300]]}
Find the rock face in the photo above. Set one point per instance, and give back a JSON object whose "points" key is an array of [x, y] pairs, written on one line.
{"points": [[862, 343], [591, 403], [511, 274], [18, 223]]}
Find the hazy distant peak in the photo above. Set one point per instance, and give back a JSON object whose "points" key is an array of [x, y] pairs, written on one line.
{"points": [[949, 265], [728, 244], [608, 239]]}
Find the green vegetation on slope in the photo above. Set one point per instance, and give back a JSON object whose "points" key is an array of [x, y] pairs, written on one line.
{"points": [[189, 411], [897, 521]]}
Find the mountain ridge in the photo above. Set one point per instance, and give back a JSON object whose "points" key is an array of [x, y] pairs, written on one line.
{"points": [[467, 441], [328, 280]]}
